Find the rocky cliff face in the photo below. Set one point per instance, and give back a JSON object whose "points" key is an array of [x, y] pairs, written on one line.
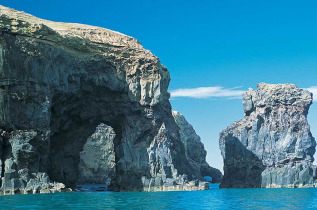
{"points": [[58, 82], [272, 146], [194, 150], [97, 160]]}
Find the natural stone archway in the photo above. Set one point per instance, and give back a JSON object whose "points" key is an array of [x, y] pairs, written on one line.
{"points": [[97, 160], [58, 82]]}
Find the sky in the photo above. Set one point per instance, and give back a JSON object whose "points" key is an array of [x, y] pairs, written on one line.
{"points": [[213, 49]]}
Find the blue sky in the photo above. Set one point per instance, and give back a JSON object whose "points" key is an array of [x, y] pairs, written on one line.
{"points": [[210, 43]]}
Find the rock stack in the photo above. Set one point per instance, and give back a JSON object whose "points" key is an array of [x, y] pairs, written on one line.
{"points": [[272, 146]]}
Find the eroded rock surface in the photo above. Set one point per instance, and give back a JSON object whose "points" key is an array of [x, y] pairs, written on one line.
{"points": [[97, 160], [194, 150], [21, 163], [272, 146], [58, 82], [164, 175]]}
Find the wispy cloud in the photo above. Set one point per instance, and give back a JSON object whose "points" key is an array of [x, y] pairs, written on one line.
{"points": [[208, 92], [313, 89]]}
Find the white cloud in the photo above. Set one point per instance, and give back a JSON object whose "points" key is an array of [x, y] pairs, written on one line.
{"points": [[314, 91], [208, 92]]}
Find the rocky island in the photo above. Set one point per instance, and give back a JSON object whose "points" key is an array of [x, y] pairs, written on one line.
{"points": [[272, 146], [71, 93]]}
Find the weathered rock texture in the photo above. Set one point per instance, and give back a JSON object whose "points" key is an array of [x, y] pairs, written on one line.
{"points": [[272, 146], [194, 150], [97, 160], [58, 82]]}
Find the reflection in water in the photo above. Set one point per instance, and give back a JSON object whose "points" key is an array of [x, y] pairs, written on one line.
{"points": [[211, 199]]}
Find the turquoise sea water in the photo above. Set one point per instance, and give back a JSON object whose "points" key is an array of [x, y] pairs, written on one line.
{"points": [[210, 199]]}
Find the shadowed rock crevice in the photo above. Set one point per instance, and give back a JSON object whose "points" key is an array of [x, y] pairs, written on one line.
{"points": [[242, 168], [74, 118]]}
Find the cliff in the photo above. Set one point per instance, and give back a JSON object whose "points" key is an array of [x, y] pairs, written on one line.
{"points": [[58, 83], [272, 146], [194, 150]]}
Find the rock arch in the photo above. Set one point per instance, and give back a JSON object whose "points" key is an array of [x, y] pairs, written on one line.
{"points": [[58, 82]]}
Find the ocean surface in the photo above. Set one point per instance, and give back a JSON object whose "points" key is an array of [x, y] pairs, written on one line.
{"points": [[210, 199]]}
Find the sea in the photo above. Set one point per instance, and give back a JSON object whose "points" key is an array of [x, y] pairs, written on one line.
{"points": [[215, 198]]}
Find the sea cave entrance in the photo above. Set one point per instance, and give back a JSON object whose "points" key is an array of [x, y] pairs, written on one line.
{"points": [[85, 138]]}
